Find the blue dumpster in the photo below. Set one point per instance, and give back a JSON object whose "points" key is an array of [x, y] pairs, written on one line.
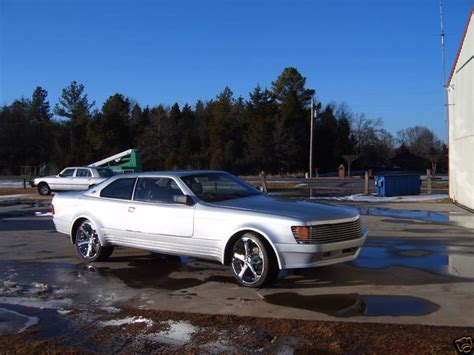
{"points": [[398, 185]]}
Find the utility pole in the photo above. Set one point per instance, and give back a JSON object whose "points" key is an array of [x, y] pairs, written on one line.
{"points": [[443, 59], [311, 139]]}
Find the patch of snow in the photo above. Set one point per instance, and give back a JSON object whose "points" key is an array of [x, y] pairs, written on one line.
{"points": [[43, 214], [10, 284], [14, 323], [63, 311], [128, 320], [10, 287], [111, 310], [375, 198], [41, 287], [179, 332]]}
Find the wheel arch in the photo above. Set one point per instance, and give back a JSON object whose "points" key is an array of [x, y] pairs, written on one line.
{"points": [[75, 225], [227, 250]]}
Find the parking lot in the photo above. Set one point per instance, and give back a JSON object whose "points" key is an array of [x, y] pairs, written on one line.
{"points": [[413, 280]]}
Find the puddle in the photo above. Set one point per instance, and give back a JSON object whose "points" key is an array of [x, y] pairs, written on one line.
{"points": [[12, 322], [425, 216], [425, 255], [355, 305], [62, 285], [48, 323]]}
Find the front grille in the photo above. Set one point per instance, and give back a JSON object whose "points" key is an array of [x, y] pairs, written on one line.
{"points": [[331, 233]]}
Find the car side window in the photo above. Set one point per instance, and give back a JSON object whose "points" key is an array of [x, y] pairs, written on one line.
{"points": [[120, 188], [83, 173], [67, 172], [157, 190]]}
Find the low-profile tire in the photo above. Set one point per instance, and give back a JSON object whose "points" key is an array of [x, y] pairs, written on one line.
{"points": [[44, 189], [253, 262], [88, 244]]}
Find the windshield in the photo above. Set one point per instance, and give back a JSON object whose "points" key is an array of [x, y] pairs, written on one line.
{"points": [[214, 187], [105, 172]]}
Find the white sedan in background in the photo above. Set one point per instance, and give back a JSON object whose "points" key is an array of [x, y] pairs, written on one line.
{"points": [[210, 215], [72, 178]]}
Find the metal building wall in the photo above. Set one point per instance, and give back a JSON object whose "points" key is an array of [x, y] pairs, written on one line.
{"points": [[461, 122]]}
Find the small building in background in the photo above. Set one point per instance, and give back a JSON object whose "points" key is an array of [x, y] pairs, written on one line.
{"points": [[460, 89]]}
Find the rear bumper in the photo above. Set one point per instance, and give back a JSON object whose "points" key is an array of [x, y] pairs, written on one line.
{"points": [[299, 256], [62, 226]]}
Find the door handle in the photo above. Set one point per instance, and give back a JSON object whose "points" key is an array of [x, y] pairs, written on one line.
{"points": [[131, 209]]}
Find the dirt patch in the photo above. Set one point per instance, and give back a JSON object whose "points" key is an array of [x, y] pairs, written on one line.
{"points": [[440, 200], [16, 191], [244, 334], [23, 344], [146, 331]]}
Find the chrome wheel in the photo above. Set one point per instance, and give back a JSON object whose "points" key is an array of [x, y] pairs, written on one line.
{"points": [[248, 260], [87, 240]]}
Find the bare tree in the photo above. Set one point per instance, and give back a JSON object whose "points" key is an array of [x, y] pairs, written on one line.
{"points": [[434, 158], [365, 131], [420, 141], [349, 158]]}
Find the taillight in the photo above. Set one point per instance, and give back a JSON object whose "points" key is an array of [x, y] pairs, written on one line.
{"points": [[51, 209], [301, 233]]}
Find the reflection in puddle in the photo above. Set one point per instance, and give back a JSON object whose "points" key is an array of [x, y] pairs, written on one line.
{"points": [[426, 216], [155, 271], [353, 305], [12, 322], [424, 255]]}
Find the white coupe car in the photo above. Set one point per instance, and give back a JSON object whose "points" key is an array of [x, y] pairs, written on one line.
{"points": [[72, 178], [210, 215]]}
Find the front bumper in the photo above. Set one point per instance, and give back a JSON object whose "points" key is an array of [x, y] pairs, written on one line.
{"points": [[299, 256]]}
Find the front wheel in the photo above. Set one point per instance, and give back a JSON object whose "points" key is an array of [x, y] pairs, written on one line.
{"points": [[253, 262], [88, 245]]}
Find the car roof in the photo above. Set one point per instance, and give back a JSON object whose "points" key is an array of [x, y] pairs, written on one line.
{"points": [[86, 167], [173, 173]]}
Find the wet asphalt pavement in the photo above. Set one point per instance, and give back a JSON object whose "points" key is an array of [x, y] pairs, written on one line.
{"points": [[417, 267]]}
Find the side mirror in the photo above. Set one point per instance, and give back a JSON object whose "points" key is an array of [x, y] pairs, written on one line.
{"points": [[184, 199]]}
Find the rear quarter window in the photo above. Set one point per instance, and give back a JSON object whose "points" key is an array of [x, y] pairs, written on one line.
{"points": [[121, 189], [104, 172]]}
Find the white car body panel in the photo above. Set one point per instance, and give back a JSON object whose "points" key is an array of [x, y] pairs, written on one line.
{"points": [[204, 229], [71, 183]]}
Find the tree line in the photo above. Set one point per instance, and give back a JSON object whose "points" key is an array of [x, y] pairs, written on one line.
{"points": [[269, 131]]}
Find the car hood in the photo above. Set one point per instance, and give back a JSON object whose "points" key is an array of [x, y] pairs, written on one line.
{"points": [[307, 211]]}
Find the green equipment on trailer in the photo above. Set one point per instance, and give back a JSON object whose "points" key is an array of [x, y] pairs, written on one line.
{"points": [[127, 161]]}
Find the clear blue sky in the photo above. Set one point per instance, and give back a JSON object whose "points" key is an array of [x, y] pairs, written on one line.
{"points": [[381, 57]]}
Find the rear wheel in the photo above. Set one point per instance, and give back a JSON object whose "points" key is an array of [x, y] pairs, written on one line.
{"points": [[253, 262], [88, 245], [43, 189]]}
